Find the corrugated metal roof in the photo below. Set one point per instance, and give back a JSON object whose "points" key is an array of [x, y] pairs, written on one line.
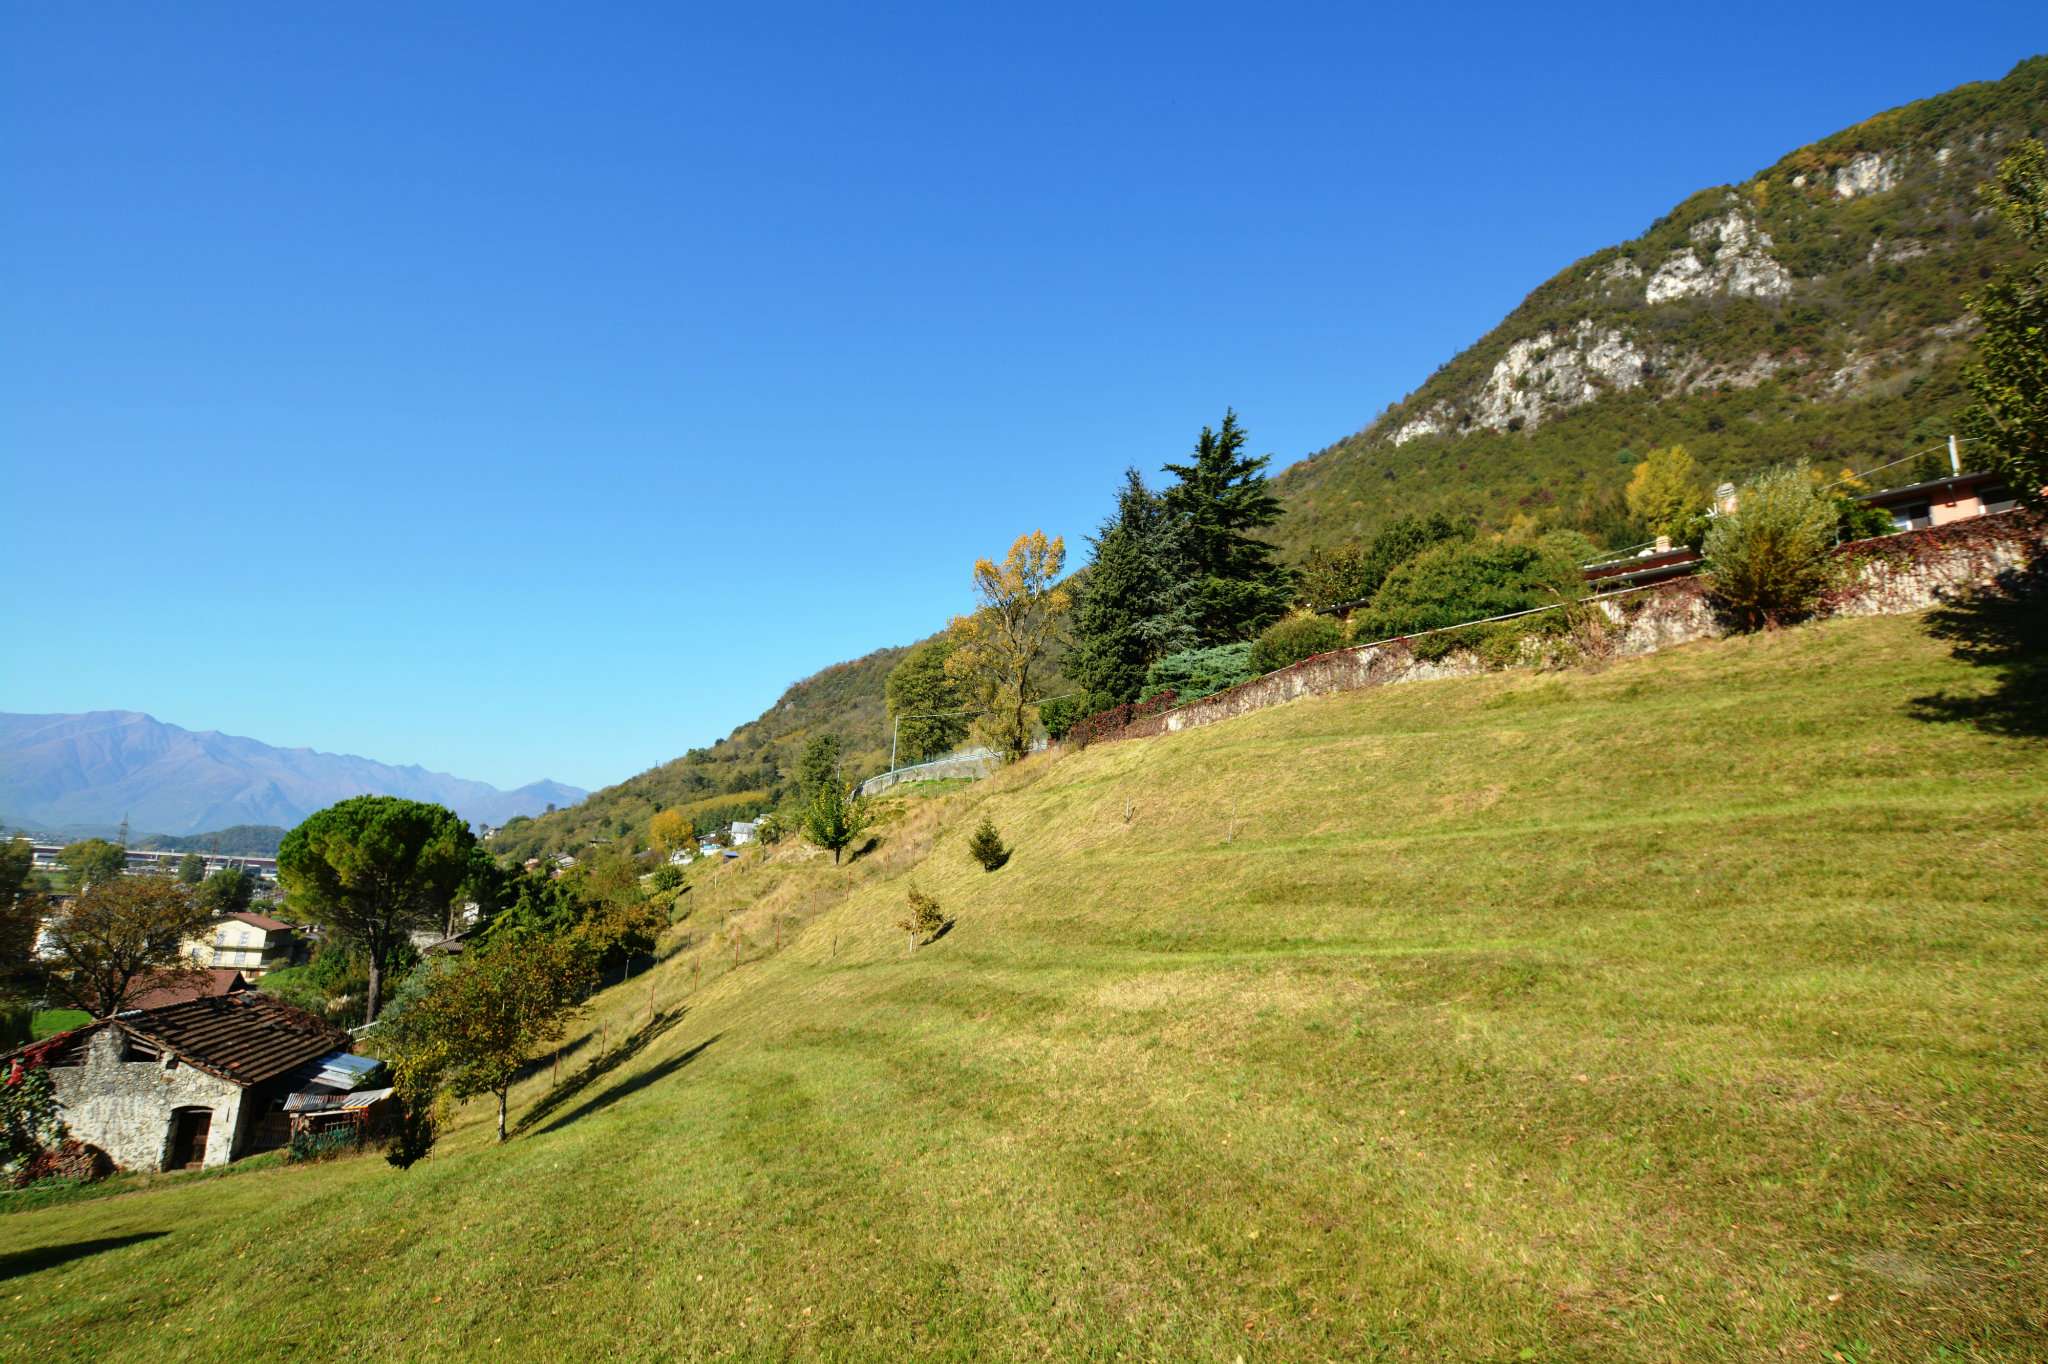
{"points": [[334, 1103]]}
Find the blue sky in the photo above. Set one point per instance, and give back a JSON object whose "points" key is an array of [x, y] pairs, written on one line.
{"points": [[534, 391]]}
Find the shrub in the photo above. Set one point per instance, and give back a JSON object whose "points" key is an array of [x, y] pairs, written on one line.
{"points": [[986, 846], [1769, 560], [1459, 582], [923, 920], [1060, 714], [1111, 723], [1195, 673], [1293, 638], [666, 877]]}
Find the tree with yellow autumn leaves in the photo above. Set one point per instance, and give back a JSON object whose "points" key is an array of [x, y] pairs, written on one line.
{"points": [[1000, 649]]}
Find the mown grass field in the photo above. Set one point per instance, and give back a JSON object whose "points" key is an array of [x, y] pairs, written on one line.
{"points": [[1691, 1009]]}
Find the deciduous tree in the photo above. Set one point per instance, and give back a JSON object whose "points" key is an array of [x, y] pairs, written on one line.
{"points": [[1000, 650], [835, 817], [477, 1023], [925, 703], [669, 831], [93, 860], [108, 940], [191, 869], [376, 868], [1770, 559], [227, 891], [1665, 491], [2010, 378]]}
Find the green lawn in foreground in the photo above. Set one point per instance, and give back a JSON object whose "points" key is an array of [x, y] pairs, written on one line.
{"points": [[1691, 1009], [50, 1022]]}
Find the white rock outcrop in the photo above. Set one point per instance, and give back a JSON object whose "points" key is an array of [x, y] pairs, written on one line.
{"points": [[1547, 374], [1866, 173], [1730, 255], [1430, 423]]}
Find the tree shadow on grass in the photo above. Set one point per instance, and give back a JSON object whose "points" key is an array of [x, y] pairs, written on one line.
{"points": [[597, 1067], [49, 1257], [856, 854], [651, 1075], [2002, 627]]}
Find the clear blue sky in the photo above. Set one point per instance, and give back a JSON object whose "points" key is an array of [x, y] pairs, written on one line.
{"points": [[532, 390]]}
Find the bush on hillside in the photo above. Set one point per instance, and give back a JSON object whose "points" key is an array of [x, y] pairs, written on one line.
{"points": [[1195, 673], [1770, 559], [1111, 723], [666, 878], [1293, 638], [986, 846], [1459, 582], [1060, 714]]}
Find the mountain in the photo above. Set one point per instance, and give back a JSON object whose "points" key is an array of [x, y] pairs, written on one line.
{"points": [[1815, 309], [59, 772]]}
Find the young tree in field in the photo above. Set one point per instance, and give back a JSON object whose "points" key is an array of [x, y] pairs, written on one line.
{"points": [[1665, 491], [1221, 499], [227, 891], [375, 868], [999, 650], [2010, 378], [835, 818], [191, 869], [116, 934], [925, 704], [1137, 605], [476, 1024], [93, 860], [1770, 559], [669, 831]]}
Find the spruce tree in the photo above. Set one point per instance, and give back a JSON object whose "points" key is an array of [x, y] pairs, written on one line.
{"points": [[1135, 607], [1221, 499]]}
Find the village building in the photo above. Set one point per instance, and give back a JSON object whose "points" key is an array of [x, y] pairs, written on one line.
{"points": [[247, 942], [198, 1083]]}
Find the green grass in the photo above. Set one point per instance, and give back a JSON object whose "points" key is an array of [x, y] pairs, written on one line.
{"points": [[50, 1022], [1689, 1009]]}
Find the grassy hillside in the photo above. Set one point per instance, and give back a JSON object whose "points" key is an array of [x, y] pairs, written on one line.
{"points": [[1693, 1008], [1843, 340]]}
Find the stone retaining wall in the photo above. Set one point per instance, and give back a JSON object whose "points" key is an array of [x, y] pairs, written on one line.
{"points": [[1892, 575]]}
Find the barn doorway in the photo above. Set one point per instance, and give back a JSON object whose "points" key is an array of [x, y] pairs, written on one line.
{"points": [[189, 1129]]}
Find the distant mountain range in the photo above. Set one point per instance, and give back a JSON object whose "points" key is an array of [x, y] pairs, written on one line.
{"points": [[80, 773]]}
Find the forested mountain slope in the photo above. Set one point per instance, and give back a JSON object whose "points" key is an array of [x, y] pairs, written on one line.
{"points": [[739, 775], [1815, 309]]}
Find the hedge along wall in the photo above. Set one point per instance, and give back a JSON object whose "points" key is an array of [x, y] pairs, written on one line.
{"points": [[1891, 575]]}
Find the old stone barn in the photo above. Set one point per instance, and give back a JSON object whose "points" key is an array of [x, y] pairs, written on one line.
{"points": [[195, 1083]]}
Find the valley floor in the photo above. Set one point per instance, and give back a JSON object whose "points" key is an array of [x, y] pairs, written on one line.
{"points": [[1691, 1009]]}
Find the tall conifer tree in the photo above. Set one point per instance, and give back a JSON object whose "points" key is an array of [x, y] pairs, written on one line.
{"points": [[1136, 606], [1221, 499]]}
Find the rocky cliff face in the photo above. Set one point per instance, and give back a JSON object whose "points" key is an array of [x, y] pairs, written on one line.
{"points": [[1833, 279]]}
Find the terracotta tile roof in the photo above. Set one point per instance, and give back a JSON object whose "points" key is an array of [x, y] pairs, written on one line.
{"points": [[175, 987], [262, 921], [247, 1037]]}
